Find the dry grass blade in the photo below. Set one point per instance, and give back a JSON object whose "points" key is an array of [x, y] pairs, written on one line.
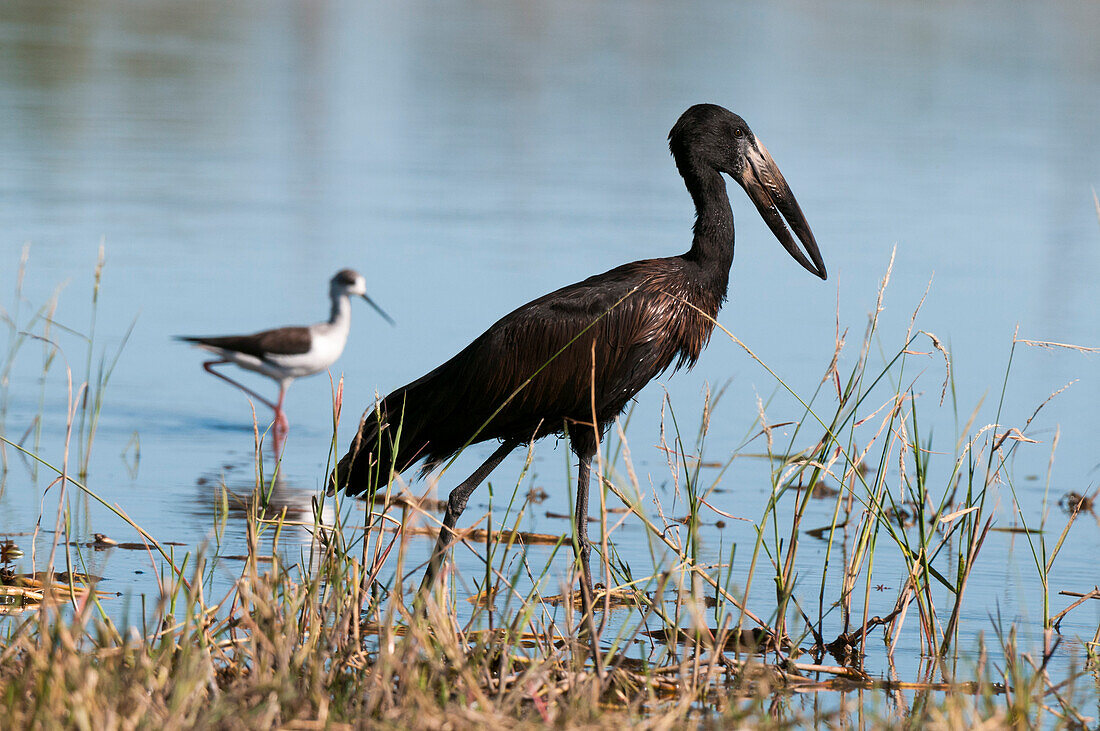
{"points": [[1082, 598], [1051, 345]]}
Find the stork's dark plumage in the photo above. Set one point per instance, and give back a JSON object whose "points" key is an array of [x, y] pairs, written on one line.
{"points": [[588, 348]]}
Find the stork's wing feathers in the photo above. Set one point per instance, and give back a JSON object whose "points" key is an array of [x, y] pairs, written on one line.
{"points": [[586, 347]]}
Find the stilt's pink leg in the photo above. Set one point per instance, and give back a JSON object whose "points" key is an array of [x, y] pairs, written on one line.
{"points": [[281, 422], [278, 439], [208, 366]]}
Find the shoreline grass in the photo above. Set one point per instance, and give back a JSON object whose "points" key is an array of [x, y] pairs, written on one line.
{"points": [[326, 636]]}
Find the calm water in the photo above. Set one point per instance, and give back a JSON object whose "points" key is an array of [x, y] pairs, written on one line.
{"points": [[468, 157]]}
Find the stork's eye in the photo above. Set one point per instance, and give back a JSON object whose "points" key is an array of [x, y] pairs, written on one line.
{"points": [[738, 132]]}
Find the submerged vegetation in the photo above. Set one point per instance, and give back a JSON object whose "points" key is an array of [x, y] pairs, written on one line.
{"points": [[781, 630]]}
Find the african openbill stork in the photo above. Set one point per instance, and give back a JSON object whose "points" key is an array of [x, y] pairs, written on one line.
{"points": [[568, 362]]}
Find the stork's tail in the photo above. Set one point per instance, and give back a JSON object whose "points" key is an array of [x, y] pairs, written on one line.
{"points": [[385, 445]]}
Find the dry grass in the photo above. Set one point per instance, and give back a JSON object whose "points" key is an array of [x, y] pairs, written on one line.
{"points": [[331, 639]]}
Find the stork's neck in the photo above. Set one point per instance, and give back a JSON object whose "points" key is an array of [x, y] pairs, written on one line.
{"points": [[712, 246], [340, 314]]}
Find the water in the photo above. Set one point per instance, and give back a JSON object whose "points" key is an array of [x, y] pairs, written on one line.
{"points": [[468, 157]]}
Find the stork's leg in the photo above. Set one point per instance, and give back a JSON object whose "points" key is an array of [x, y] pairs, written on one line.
{"points": [[456, 503], [584, 445], [585, 449], [209, 367]]}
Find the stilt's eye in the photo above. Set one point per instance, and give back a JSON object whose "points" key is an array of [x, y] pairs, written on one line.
{"points": [[738, 132]]}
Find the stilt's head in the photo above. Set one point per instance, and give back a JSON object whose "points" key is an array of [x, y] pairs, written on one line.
{"points": [[348, 282]]}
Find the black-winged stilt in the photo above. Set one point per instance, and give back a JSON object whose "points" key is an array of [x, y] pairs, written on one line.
{"points": [[286, 353]]}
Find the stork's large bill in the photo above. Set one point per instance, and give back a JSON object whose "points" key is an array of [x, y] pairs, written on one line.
{"points": [[768, 189]]}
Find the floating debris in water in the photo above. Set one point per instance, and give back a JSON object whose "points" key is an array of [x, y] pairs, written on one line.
{"points": [[820, 490], [1016, 529], [523, 639], [403, 500], [20, 592], [479, 535], [754, 639], [614, 598], [102, 542], [1074, 502], [900, 515], [39, 579], [824, 530], [484, 598], [564, 516], [9, 551]]}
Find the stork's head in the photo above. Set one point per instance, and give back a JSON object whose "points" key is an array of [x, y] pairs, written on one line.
{"points": [[710, 136]]}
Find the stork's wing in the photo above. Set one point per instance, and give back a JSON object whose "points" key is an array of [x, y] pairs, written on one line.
{"points": [[582, 350]]}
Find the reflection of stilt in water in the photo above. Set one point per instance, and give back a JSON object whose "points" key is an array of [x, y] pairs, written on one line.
{"points": [[270, 503]]}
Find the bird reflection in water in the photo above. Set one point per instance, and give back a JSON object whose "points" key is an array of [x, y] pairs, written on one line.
{"points": [[230, 503]]}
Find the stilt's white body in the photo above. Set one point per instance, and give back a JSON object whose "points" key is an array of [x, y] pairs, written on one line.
{"points": [[326, 344]]}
